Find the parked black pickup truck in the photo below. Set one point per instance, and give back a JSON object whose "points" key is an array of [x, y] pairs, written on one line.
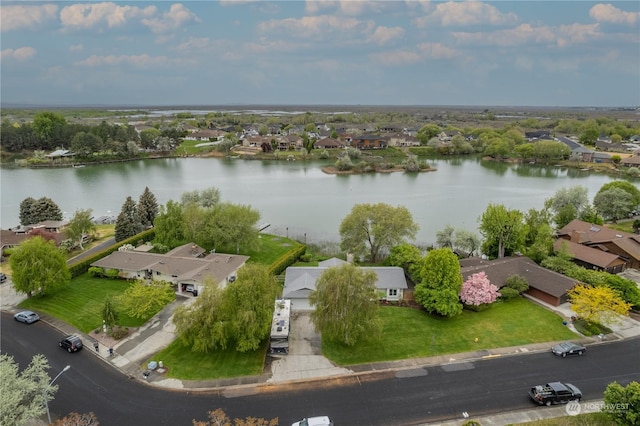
{"points": [[555, 393]]}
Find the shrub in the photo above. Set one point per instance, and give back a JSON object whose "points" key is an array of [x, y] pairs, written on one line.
{"points": [[590, 328], [118, 332], [324, 154], [508, 293], [517, 282], [111, 273], [96, 271]]}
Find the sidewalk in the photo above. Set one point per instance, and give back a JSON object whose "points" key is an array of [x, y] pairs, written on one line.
{"points": [[304, 362]]}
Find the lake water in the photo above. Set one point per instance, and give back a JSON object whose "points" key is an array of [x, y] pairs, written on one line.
{"points": [[296, 197]]}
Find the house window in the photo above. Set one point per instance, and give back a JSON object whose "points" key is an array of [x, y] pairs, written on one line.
{"points": [[392, 292]]}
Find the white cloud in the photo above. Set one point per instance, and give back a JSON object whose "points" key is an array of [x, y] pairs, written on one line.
{"points": [[76, 48], [612, 15], [19, 54], [526, 34], [396, 58], [351, 7], [383, 35], [87, 16], [577, 33], [177, 16], [138, 61], [467, 13], [31, 17], [320, 27], [437, 51]]}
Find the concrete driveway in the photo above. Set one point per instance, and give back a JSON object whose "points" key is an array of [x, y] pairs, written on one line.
{"points": [[304, 360]]}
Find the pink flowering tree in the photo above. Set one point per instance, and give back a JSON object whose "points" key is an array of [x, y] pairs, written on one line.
{"points": [[478, 290]]}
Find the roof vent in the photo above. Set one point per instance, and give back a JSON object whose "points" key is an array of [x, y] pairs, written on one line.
{"points": [[594, 229]]}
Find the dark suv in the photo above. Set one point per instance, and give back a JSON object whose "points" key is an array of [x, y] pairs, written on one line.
{"points": [[71, 343]]}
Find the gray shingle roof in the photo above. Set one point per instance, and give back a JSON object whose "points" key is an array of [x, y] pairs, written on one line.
{"points": [[301, 280]]}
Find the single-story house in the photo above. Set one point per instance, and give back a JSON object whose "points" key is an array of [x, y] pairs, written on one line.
{"points": [[187, 266], [633, 160], [328, 143], [545, 285], [622, 244], [13, 237], [300, 281], [369, 142], [590, 258]]}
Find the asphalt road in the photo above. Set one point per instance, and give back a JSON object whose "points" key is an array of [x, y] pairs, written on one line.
{"points": [[409, 397]]}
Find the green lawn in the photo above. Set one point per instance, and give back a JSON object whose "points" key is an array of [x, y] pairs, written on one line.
{"points": [[409, 333], [271, 248], [80, 304], [184, 364]]}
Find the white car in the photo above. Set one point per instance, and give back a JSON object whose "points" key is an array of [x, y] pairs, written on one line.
{"points": [[314, 421]]}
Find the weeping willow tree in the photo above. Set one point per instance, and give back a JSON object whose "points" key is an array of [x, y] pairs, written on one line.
{"points": [[346, 304]]}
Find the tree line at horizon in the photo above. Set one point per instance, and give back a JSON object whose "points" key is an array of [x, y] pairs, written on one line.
{"points": [[49, 131]]}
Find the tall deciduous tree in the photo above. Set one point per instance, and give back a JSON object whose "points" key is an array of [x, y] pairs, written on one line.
{"points": [[444, 237], [346, 307], [23, 392], [128, 222], [202, 325], [440, 283], [207, 198], [38, 266], [232, 226], [48, 126], [147, 207], [80, 226], [466, 242], [614, 203], [502, 229], [601, 304], [237, 316], [407, 257], [248, 305], [477, 290], [374, 229], [625, 186], [568, 204], [622, 403], [169, 225]]}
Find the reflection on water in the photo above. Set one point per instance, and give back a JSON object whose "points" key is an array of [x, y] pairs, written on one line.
{"points": [[297, 195]]}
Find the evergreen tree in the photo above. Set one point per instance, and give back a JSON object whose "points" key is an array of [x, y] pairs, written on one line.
{"points": [[34, 211], [26, 211], [128, 222], [147, 207]]}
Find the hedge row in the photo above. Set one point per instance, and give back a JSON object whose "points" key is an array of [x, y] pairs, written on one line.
{"points": [[287, 259], [82, 266]]}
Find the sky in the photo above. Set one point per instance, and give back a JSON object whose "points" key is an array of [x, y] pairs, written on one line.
{"points": [[320, 52]]}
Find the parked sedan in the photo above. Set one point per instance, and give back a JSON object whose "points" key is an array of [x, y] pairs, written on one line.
{"points": [[568, 348], [27, 317]]}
